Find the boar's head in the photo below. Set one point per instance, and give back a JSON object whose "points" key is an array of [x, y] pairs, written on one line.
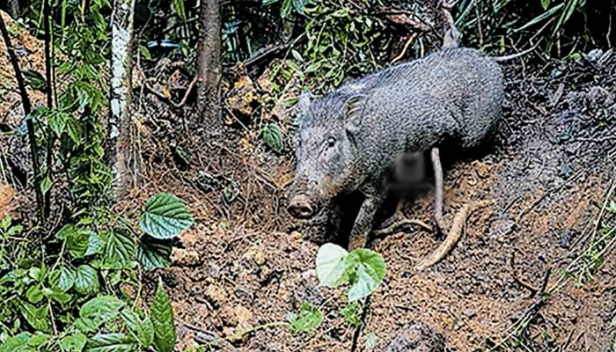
{"points": [[326, 150]]}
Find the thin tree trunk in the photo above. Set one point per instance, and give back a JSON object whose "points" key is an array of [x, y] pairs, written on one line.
{"points": [[122, 156], [50, 101], [25, 101], [209, 68]]}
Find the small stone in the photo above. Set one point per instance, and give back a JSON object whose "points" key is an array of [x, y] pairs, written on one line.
{"points": [[595, 54], [469, 313]]}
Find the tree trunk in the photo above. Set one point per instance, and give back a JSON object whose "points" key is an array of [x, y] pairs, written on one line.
{"points": [[122, 155], [209, 69]]}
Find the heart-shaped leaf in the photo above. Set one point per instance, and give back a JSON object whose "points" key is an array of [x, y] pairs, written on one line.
{"points": [[331, 264], [369, 270], [153, 253], [165, 216]]}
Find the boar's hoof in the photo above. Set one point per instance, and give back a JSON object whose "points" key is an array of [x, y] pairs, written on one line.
{"points": [[300, 207]]}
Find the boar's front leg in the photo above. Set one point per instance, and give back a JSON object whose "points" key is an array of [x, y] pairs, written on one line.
{"points": [[438, 177], [364, 221]]}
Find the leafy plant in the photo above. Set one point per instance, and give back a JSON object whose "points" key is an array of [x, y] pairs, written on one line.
{"points": [[362, 269]]}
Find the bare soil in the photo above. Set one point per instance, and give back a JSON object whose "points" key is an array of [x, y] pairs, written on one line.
{"points": [[550, 171]]}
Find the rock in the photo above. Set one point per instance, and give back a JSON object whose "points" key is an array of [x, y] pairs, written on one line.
{"points": [[595, 55], [417, 338], [501, 228], [469, 313], [184, 257]]}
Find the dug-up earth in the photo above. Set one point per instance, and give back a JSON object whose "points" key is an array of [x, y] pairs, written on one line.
{"points": [[550, 173], [522, 275]]}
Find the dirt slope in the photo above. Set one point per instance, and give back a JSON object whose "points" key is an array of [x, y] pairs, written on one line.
{"points": [[549, 174]]}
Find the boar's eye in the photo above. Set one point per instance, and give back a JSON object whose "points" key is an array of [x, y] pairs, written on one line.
{"points": [[331, 141]]}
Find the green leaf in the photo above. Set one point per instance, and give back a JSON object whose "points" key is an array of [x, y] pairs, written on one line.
{"points": [[309, 318], [111, 343], [178, 6], [74, 342], [34, 294], [272, 137], [57, 122], [95, 244], [286, 8], [74, 130], [45, 185], [153, 253], [143, 329], [351, 314], [165, 216], [331, 264], [18, 343], [86, 280], [34, 79], [367, 270], [119, 250], [62, 279], [36, 317], [76, 240], [97, 311], [57, 295], [545, 4], [162, 319], [38, 339]]}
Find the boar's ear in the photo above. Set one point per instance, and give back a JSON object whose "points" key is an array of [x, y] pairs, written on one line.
{"points": [[303, 103], [353, 113]]}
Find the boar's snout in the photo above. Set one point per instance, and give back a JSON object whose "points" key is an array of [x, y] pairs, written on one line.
{"points": [[300, 207]]}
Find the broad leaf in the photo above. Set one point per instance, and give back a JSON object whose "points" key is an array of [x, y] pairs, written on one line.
{"points": [[308, 318], [162, 319], [86, 280], [95, 244], [76, 241], [62, 279], [34, 294], [119, 250], [74, 342], [367, 272], [273, 137], [97, 311], [331, 264], [57, 121], [165, 216], [111, 343], [18, 343], [153, 253], [142, 329], [35, 316]]}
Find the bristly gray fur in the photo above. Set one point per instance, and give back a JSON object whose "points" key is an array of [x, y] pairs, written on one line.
{"points": [[350, 138]]}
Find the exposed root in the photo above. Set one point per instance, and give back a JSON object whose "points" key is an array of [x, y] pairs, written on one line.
{"points": [[392, 228], [454, 235]]}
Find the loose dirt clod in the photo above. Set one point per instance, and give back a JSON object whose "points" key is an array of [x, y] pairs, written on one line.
{"points": [[417, 338], [453, 236], [6, 197]]}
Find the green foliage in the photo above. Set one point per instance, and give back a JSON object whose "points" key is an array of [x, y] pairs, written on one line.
{"points": [[362, 269], [351, 314], [165, 217], [95, 256], [272, 136], [308, 318], [162, 320]]}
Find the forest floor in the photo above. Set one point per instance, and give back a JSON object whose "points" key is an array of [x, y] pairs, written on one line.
{"points": [[551, 174]]}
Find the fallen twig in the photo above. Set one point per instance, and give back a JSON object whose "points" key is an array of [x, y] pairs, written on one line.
{"points": [[454, 235]]}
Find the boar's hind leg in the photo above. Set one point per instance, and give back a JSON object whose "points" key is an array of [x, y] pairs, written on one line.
{"points": [[363, 222], [438, 177]]}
